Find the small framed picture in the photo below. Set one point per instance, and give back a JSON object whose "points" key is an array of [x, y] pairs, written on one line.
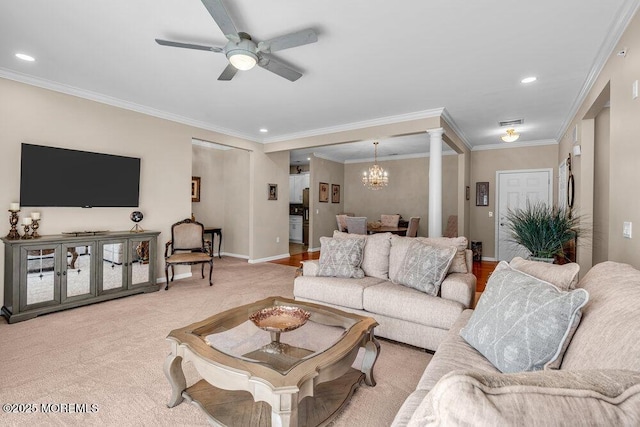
{"points": [[273, 192], [482, 194], [195, 188], [323, 193], [335, 193]]}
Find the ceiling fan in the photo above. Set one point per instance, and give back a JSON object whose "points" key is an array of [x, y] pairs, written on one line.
{"points": [[243, 52]]}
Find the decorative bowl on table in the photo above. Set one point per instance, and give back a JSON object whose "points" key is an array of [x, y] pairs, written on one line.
{"points": [[280, 318]]}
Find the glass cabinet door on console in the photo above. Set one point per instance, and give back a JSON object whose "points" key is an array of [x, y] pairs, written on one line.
{"points": [[140, 252], [112, 266], [40, 280], [78, 271]]}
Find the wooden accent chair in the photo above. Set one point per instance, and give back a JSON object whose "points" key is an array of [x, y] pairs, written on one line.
{"points": [[452, 226], [412, 230], [357, 224], [389, 220], [188, 247]]}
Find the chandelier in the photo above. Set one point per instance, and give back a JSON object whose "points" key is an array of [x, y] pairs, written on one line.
{"points": [[377, 177]]}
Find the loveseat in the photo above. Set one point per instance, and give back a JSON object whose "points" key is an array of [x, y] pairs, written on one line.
{"points": [[596, 381], [404, 313]]}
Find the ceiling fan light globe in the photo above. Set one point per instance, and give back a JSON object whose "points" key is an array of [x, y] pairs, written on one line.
{"points": [[242, 59]]}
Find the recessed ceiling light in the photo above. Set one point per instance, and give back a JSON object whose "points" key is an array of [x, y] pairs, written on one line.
{"points": [[308, 158], [529, 79], [264, 130], [25, 57]]}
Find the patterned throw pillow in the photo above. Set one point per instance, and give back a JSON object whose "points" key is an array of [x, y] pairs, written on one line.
{"points": [[522, 323], [341, 257], [459, 264], [424, 267]]}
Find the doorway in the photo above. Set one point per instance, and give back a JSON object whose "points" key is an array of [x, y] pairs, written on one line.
{"points": [[515, 189]]}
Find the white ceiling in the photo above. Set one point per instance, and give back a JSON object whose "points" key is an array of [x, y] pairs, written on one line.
{"points": [[373, 59]]}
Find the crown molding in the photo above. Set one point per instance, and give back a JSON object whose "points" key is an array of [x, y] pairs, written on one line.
{"points": [[453, 125], [398, 157], [508, 145], [627, 11], [212, 145], [325, 157], [436, 112], [119, 103]]}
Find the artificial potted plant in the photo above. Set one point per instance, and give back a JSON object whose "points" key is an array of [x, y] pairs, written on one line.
{"points": [[543, 229]]}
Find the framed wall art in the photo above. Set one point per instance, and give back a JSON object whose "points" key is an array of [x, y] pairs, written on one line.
{"points": [[195, 188], [482, 194], [323, 193], [335, 193], [273, 191]]}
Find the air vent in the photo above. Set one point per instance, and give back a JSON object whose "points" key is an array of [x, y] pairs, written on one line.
{"points": [[512, 122]]}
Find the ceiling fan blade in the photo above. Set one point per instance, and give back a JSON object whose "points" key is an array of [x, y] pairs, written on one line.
{"points": [[287, 41], [279, 68], [228, 73], [219, 14], [188, 45]]}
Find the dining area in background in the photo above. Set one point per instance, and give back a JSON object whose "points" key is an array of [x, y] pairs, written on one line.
{"points": [[348, 223]]}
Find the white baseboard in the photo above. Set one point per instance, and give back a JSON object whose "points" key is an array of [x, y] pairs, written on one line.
{"points": [[176, 277], [486, 258], [313, 250], [271, 258], [232, 255]]}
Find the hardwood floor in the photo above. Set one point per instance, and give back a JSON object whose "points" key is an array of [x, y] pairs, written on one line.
{"points": [[482, 270]]}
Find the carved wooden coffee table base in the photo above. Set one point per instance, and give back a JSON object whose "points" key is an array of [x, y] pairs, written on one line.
{"points": [[238, 392]]}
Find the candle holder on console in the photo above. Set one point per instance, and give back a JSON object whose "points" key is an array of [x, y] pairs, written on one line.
{"points": [[13, 220], [35, 223], [26, 224]]}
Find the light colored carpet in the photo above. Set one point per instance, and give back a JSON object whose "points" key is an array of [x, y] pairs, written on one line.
{"points": [[111, 355]]}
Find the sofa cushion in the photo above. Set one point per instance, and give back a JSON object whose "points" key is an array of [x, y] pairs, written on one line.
{"points": [[341, 257], [333, 290], [521, 323], [375, 260], [549, 398], [424, 267], [454, 353], [459, 264], [563, 276], [609, 332], [401, 302]]}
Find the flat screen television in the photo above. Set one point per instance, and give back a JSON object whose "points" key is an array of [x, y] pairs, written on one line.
{"points": [[52, 176]]}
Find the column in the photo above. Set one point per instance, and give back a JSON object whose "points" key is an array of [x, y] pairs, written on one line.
{"points": [[435, 182]]}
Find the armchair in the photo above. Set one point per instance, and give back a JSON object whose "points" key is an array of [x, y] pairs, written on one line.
{"points": [[188, 247]]}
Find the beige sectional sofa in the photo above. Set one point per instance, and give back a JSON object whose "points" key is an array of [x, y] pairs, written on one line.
{"points": [[597, 383], [404, 314]]}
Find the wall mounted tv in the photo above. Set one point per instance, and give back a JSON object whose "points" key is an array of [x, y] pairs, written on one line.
{"points": [[60, 177]]}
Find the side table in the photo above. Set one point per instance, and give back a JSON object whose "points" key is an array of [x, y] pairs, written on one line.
{"points": [[213, 231]]}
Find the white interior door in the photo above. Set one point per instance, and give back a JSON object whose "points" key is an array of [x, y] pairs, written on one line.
{"points": [[515, 188]]}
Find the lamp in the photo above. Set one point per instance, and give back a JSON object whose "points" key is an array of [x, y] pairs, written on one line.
{"points": [[242, 60], [511, 136], [242, 53], [377, 177]]}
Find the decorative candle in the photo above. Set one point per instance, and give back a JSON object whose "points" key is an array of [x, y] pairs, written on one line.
{"points": [[35, 215], [14, 206], [26, 221]]}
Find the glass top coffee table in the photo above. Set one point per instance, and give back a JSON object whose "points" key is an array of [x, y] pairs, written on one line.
{"points": [[254, 377]]}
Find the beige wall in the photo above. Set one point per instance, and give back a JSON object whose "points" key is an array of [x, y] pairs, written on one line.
{"points": [[617, 75], [322, 216], [407, 193], [268, 219], [484, 164], [224, 197], [601, 188]]}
